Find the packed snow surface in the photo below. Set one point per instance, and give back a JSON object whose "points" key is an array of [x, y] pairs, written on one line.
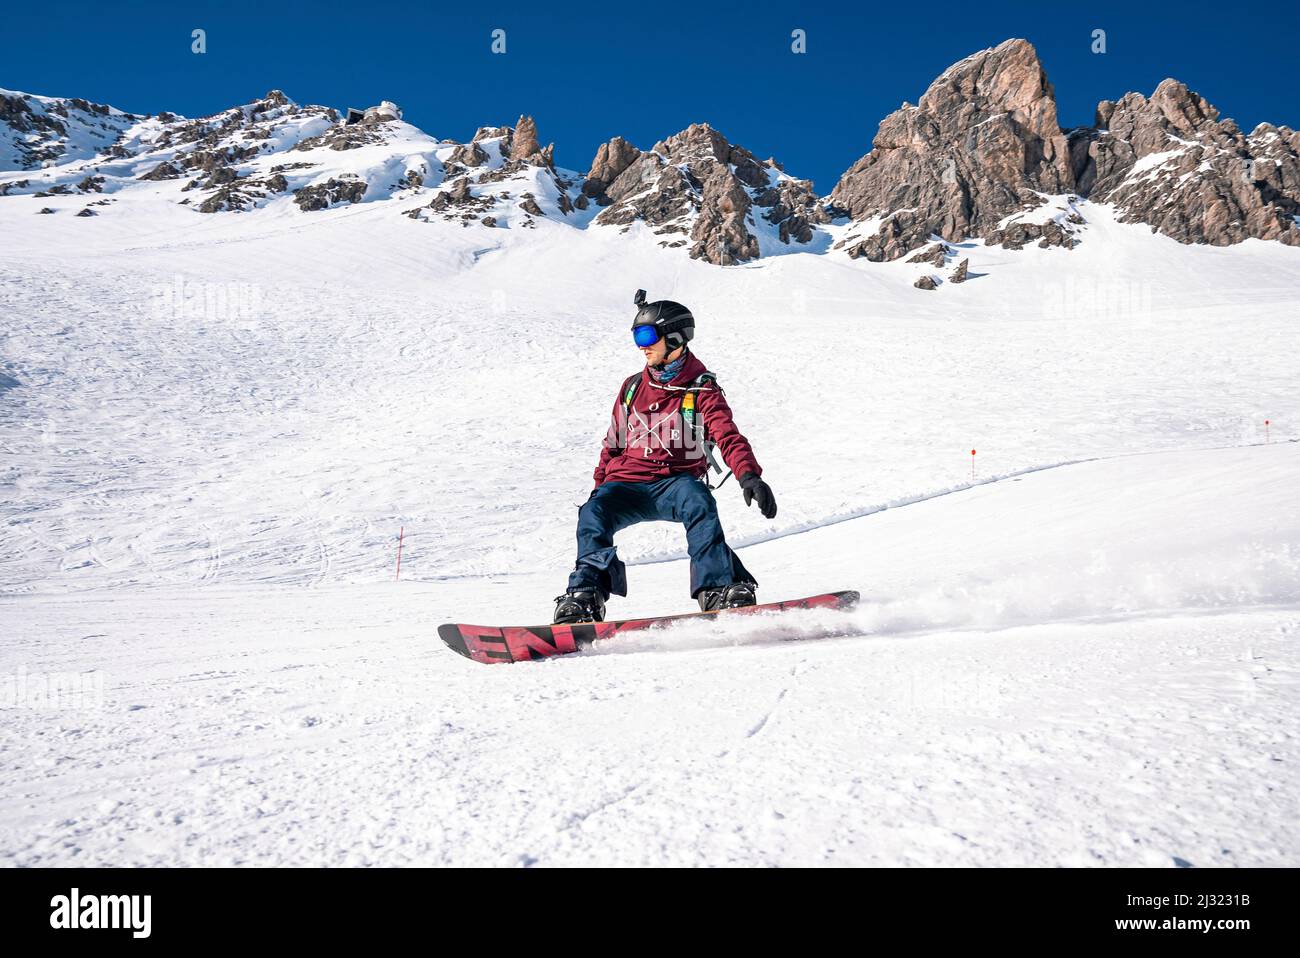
{"points": [[1078, 649]]}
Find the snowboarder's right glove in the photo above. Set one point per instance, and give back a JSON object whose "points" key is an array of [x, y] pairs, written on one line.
{"points": [[756, 488]]}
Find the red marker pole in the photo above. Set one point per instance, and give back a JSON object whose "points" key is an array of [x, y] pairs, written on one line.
{"points": [[400, 536], [1266, 439], [972, 463]]}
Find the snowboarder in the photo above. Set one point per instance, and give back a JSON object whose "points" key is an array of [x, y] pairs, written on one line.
{"points": [[666, 420]]}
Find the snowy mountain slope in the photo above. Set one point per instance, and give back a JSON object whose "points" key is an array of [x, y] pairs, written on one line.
{"points": [[290, 160], [40, 131], [1088, 665], [693, 189], [241, 401]]}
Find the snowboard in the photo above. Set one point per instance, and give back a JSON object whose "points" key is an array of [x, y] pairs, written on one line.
{"points": [[492, 644]]}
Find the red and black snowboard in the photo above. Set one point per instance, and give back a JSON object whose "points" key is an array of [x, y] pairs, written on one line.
{"points": [[490, 644]]}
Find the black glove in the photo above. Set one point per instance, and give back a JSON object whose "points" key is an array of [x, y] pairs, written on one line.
{"points": [[756, 488]]}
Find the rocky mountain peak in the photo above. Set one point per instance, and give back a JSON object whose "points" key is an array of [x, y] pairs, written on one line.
{"points": [[1008, 78], [695, 188], [980, 154], [502, 177], [1185, 111], [526, 148], [983, 149], [1170, 162], [982, 143], [697, 140]]}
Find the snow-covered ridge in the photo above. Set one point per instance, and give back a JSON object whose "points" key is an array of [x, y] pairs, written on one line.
{"points": [[273, 154], [693, 192], [39, 131]]}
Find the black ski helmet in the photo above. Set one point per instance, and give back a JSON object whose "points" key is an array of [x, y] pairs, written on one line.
{"points": [[674, 322]]}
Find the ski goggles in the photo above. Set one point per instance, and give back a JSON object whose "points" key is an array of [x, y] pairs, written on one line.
{"points": [[645, 335]]}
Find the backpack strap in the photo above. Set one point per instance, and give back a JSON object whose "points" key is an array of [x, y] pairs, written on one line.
{"points": [[688, 401], [696, 424], [629, 391]]}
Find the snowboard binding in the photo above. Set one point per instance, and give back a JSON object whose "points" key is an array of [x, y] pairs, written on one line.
{"points": [[578, 607], [738, 595]]}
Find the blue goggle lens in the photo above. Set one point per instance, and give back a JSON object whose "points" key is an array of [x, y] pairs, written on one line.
{"points": [[645, 335]]}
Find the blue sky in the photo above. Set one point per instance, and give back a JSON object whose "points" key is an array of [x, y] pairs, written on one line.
{"points": [[642, 70]]}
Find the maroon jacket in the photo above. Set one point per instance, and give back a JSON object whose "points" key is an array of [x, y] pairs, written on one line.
{"points": [[651, 443]]}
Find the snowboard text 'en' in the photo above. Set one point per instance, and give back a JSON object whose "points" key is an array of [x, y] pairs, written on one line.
{"points": [[518, 643]]}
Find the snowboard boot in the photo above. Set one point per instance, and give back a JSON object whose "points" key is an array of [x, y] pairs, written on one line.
{"points": [[578, 607], [734, 596]]}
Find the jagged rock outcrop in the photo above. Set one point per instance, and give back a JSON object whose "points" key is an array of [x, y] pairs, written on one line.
{"points": [[1016, 234], [272, 100], [324, 195], [894, 237], [696, 187], [344, 138], [792, 206], [525, 142], [468, 154], [481, 177], [1169, 161], [228, 198], [458, 202], [211, 161], [934, 255], [980, 144], [163, 171], [720, 232], [517, 144], [611, 160], [959, 275]]}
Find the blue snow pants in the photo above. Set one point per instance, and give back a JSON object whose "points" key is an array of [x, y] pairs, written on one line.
{"points": [[679, 498]]}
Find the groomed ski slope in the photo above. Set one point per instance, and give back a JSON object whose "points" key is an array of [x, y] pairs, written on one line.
{"points": [[1083, 654], [1109, 679]]}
